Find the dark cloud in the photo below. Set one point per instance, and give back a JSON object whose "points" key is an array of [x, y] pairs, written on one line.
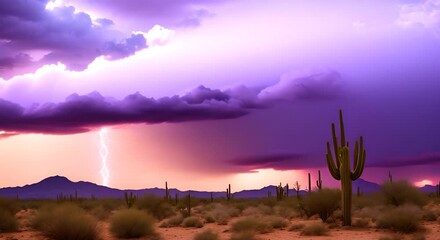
{"points": [[277, 161], [82, 113], [425, 159], [62, 35]]}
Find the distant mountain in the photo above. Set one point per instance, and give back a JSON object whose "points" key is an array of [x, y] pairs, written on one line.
{"points": [[51, 187], [365, 186]]}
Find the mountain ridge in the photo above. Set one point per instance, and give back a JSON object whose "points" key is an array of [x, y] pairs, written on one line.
{"points": [[51, 187]]}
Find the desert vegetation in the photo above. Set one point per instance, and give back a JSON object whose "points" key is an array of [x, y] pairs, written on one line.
{"points": [[399, 209]]}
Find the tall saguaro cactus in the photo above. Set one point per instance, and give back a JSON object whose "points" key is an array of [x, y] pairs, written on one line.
{"points": [[228, 192], [339, 166]]}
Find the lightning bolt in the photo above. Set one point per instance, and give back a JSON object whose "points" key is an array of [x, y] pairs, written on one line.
{"points": [[105, 173]]}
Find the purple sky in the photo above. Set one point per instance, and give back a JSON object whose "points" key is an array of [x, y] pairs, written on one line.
{"points": [[217, 89]]}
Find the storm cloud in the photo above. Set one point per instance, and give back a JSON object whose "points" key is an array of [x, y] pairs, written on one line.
{"points": [[32, 36], [277, 161], [82, 113], [424, 159]]}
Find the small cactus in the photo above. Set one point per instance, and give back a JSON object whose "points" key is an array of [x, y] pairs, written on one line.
{"points": [[188, 203], [319, 181], [390, 177], [228, 192], [358, 191], [167, 192], [297, 188], [129, 199], [310, 184]]}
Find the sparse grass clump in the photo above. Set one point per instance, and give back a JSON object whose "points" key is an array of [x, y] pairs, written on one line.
{"points": [[8, 222], [404, 219], [207, 234], [402, 192], [132, 223], [192, 222], [173, 221], [65, 222], [315, 229], [253, 224], [220, 214], [296, 227], [275, 221]]}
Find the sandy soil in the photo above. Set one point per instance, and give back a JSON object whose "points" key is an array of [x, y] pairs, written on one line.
{"points": [[180, 233]]}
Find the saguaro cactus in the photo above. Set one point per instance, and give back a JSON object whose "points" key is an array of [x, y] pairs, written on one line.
{"points": [[310, 184], [319, 181], [129, 199], [390, 177], [228, 192], [339, 166], [167, 191], [297, 188], [280, 192]]}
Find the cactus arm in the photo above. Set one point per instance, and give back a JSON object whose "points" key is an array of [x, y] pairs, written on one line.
{"points": [[356, 155], [341, 126], [335, 145], [360, 167], [334, 171]]}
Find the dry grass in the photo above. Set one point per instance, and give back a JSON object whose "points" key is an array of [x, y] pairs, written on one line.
{"points": [[251, 224], [66, 222], [404, 219], [315, 229], [192, 221], [132, 223], [8, 222], [173, 221], [207, 234]]}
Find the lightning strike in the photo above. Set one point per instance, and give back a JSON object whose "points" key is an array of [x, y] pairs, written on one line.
{"points": [[105, 173]]}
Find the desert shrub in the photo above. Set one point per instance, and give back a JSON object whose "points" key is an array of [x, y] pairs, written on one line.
{"points": [[9, 205], [361, 223], [402, 192], [173, 221], [207, 234], [100, 213], [65, 222], [315, 229], [8, 222], [371, 212], [132, 223], [275, 221], [192, 221], [404, 218], [248, 235], [286, 212], [431, 212], [156, 206], [258, 210], [220, 214], [251, 224], [323, 202], [296, 227]]}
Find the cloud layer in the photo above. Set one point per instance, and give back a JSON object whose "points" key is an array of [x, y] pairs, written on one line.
{"points": [[32, 36], [82, 113]]}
